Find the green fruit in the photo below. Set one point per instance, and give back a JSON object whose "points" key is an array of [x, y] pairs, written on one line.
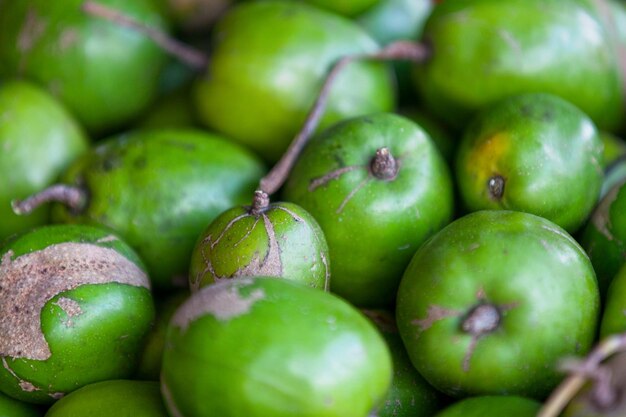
{"points": [[614, 313], [492, 302], [373, 219], [38, 139], [534, 153], [195, 15], [345, 7], [614, 148], [105, 73], [149, 367], [120, 398], [409, 395], [10, 407], [492, 406], [441, 137], [158, 189], [75, 305], [604, 236], [392, 20], [268, 63], [486, 50], [259, 347], [282, 241]]}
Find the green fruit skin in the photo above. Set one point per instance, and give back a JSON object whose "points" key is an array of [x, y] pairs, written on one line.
{"points": [[372, 236], [486, 50], [268, 64], [159, 189], [105, 73], [10, 407], [492, 406], [102, 342], [151, 357], [614, 148], [548, 152], [613, 316], [537, 276], [409, 395], [284, 241], [346, 7], [38, 139], [604, 236], [392, 20], [262, 346], [120, 398]]}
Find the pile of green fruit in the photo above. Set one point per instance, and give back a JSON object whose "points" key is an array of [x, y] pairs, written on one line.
{"points": [[317, 208]]}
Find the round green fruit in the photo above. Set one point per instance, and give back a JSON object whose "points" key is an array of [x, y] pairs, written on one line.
{"points": [[10, 407], [75, 305], [258, 347], [614, 313], [159, 189], [282, 241], [492, 406], [534, 153], [345, 7], [378, 188], [492, 302], [268, 63], [119, 398], [486, 50], [38, 140], [104, 72]]}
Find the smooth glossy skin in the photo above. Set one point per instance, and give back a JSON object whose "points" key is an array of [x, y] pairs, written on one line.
{"points": [[258, 347], [346, 7], [120, 398], [613, 316], [10, 407], [38, 140], [101, 341], [268, 63], [284, 241], [391, 20], [604, 236], [492, 406], [159, 189], [534, 273], [372, 226], [486, 50], [409, 395], [548, 153], [106, 74]]}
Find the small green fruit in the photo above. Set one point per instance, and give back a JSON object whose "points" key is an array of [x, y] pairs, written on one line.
{"points": [[259, 347], [492, 406]]}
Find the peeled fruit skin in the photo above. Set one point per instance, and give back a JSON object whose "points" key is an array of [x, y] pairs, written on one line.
{"points": [[486, 50], [536, 277], [263, 346], [372, 226], [104, 73], [268, 63], [283, 241], [159, 189], [604, 236], [546, 152], [120, 398], [76, 305], [38, 140], [492, 406]]}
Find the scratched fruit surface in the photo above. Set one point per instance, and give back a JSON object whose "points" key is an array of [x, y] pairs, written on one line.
{"points": [[447, 231]]}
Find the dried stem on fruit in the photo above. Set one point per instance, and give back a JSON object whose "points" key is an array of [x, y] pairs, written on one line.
{"points": [[74, 198]]}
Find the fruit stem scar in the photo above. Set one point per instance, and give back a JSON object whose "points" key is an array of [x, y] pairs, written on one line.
{"points": [[190, 56], [495, 186], [384, 166], [74, 198], [401, 50], [481, 319]]}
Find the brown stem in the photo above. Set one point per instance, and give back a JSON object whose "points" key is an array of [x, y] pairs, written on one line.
{"points": [[402, 50], [260, 203], [74, 198], [384, 166], [190, 56], [564, 393]]}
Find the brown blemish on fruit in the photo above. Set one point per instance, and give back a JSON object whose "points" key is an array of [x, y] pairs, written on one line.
{"points": [[24, 385], [333, 175], [327, 271], [109, 238], [271, 263], [601, 217], [29, 281], [352, 194], [56, 395], [223, 301], [209, 239], [434, 314], [68, 38], [32, 30], [383, 320], [71, 309], [495, 187]]}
